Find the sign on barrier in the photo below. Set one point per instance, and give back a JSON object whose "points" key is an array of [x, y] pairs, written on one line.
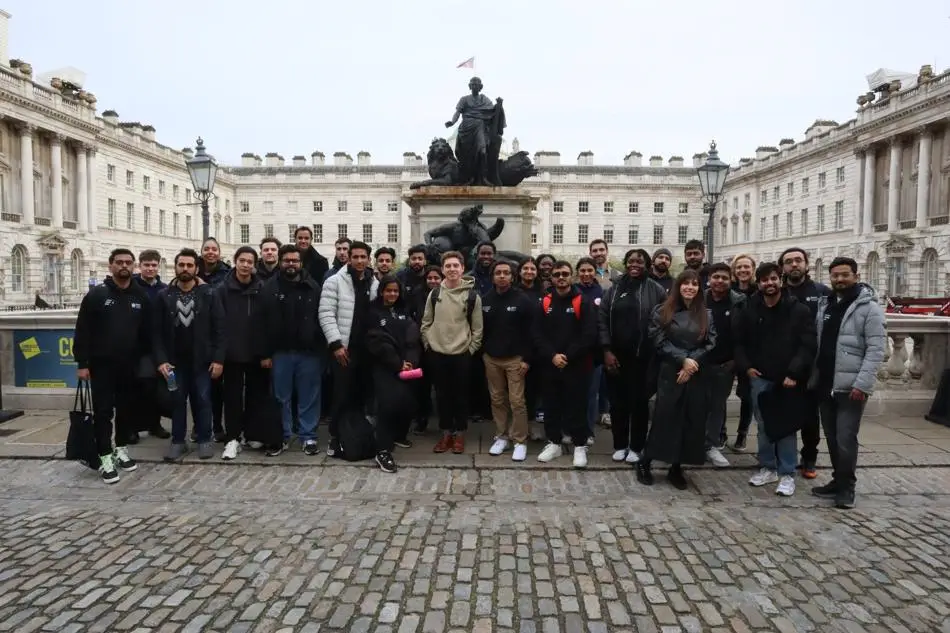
{"points": [[43, 359]]}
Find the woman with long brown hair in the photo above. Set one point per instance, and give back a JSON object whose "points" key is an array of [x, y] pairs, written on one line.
{"points": [[682, 332]]}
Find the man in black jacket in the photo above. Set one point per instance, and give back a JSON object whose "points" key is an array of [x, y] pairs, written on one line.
{"points": [[565, 336], [660, 270], [413, 277], [294, 347], [694, 252], [112, 335], [267, 265], [245, 381], [507, 316], [776, 345], [340, 258], [311, 260], [800, 285], [149, 416], [189, 339]]}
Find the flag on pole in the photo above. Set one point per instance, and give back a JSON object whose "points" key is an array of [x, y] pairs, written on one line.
{"points": [[468, 63]]}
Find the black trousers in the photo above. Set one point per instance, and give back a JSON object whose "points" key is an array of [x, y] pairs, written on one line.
{"points": [[450, 373], [396, 407], [811, 430], [629, 403], [479, 401], [147, 415], [245, 385], [565, 404], [423, 392], [841, 417], [532, 392], [352, 388], [217, 405], [114, 390]]}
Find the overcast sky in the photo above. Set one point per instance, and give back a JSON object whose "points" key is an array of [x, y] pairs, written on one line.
{"points": [[610, 76]]}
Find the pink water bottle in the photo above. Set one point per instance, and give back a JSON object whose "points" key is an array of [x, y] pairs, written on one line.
{"points": [[411, 374]]}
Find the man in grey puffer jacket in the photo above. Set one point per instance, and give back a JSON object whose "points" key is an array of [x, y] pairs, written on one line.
{"points": [[852, 336]]}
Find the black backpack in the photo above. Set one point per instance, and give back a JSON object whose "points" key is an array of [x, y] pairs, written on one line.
{"points": [[469, 301], [356, 436]]}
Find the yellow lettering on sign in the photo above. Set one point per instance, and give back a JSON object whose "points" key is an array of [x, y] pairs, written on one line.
{"points": [[65, 347], [30, 348]]}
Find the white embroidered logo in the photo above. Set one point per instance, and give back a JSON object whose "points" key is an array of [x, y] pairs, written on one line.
{"points": [[186, 312]]}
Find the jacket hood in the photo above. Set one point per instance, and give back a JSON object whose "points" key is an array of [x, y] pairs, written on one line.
{"points": [[232, 282], [866, 294], [467, 283], [198, 282]]}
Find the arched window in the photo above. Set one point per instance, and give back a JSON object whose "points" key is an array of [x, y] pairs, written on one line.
{"points": [[18, 269], [819, 270], [75, 269], [931, 280], [873, 270]]}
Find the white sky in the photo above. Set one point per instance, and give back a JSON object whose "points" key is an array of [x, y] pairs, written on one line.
{"points": [[610, 76]]}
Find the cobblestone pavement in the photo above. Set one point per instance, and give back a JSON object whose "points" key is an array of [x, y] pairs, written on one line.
{"points": [[283, 548]]}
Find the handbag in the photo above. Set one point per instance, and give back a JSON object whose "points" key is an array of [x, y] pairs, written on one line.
{"points": [[81, 441]]}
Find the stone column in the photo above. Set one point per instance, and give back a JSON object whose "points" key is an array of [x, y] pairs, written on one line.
{"points": [[923, 177], [894, 187], [56, 166], [82, 201], [92, 209], [27, 215], [870, 169]]}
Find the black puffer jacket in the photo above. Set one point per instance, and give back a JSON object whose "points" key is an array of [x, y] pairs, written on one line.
{"points": [[290, 316], [392, 336], [780, 342], [243, 311], [625, 313]]}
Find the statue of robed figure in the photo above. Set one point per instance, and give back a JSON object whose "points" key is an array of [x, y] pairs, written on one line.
{"points": [[478, 141]]}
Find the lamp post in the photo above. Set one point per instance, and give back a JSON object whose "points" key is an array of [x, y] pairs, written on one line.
{"points": [[712, 179], [202, 168]]}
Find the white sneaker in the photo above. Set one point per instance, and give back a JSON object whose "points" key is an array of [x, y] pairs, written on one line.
{"points": [[605, 420], [620, 455], [520, 452], [123, 460], [255, 445], [716, 458], [763, 477], [550, 452], [786, 486], [231, 450], [499, 447], [632, 457], [580, 457]]}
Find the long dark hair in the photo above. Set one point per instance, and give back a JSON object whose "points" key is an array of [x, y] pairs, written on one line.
{"points": [[674, 302]]}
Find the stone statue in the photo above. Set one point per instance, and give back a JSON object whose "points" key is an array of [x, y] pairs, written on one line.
{"points": [[444, 168], [464, 235]]}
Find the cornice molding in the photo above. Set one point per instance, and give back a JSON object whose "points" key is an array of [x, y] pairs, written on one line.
{"points": [[46, 111]]}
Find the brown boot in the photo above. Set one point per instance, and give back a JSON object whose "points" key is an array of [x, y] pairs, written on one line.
{"points": [[443, 444], [458, 444]]}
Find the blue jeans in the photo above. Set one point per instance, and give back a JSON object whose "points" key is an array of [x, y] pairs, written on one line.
{"points": [[194, 386], [594, 397], [303, 373], [781, 456]]}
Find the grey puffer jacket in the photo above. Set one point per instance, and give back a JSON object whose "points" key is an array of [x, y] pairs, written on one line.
{"points": [[862, 340]]}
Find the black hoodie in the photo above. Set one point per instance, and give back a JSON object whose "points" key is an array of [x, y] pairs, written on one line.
{"points": [[263, 274], [315, 264], [780, 342], [113, 325], [507, 318], [625, 314], [244, 318], [392, 336], [560, 331], [290, 316]]}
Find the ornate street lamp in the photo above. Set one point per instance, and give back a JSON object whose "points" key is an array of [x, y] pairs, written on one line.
{"points": [[202, 168], [712, 179]]}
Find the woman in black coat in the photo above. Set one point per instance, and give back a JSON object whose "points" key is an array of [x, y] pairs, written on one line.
{"points": [[682, 333], [393, 343]]}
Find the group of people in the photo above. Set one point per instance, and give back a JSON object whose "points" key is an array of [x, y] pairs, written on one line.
{"points": [[260, 348]]}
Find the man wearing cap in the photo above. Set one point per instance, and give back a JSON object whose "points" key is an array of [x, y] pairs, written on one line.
{"points": [[660, 271]]}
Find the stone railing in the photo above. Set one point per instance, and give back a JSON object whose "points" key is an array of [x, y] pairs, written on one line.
{"points": [[917, 354]]}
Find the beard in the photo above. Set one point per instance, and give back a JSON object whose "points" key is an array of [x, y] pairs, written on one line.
{"points": [[661, 267], [123, 273], [186, 277], [289, 273]]}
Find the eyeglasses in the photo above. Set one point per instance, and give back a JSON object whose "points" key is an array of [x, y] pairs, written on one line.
{"points": [[123, 262], [560, 275], [290, 261]]}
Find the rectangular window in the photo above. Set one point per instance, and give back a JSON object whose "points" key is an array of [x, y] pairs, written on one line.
{"points": [[318, 233], [764, 196], [129, 178], [146, 183], [340, 231], [291, 229], [820, 218], [804, 221], [318, 206], [217, 204], [392, 233], [804, 186], [227, 206], [161, 187], [839, 175], [161, 221], [735, 232], [111, 213], [789, 229], [174, 192], [821, 180], [368, 233], [558, 206], [746, 230], [775, 227], [188, 226], [633, 235], [608, 207], [791, 189], [582, 233], [187, 193], [557, 234], [735, 202], [245, 233], [747, 200], [367, 206], [175, 224], [682, 234], [129, 216], [706, 234], [609, 234], [776, 193], [244, 207], [633, 207], [147, 219], [268, 230], [341, 206], [657, 207], [658, 234], [762, 228], [583, 206], [110, 173], [839, 215], [392, 206], [534, 239], [684, 208]]}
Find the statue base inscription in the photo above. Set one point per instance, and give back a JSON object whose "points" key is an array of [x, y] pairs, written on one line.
{"points": [[438, 206]]}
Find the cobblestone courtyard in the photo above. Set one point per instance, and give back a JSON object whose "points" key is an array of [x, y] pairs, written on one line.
{"points": [[337, 548]]}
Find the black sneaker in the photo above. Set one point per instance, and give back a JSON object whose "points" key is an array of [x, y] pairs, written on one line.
{"points": [[107, 470], [677, 478], [123, 460], [333, 447], [159, 431], [844, 499], [740, 442], [644, 474], [828, 491], [384, 459], [310, 447], [403, 443], [274, 451]]}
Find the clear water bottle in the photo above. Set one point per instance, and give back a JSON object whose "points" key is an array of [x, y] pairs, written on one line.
{"points": [[172, 381]]}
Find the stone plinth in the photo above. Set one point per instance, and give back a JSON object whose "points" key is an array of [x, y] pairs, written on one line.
{"points": [[434, 206]]}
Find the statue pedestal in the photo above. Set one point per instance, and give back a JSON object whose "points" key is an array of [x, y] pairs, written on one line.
{"points": [[435, 206]]}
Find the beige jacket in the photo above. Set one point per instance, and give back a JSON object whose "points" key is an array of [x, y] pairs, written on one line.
{"points": [[445, 328]]}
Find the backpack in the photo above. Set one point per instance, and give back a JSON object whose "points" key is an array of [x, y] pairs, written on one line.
{"points": [[575, 303], [356, 436], [469, 301]]}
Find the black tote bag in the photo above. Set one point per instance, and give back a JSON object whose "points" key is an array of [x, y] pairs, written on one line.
{"points": [[81, 441]]}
